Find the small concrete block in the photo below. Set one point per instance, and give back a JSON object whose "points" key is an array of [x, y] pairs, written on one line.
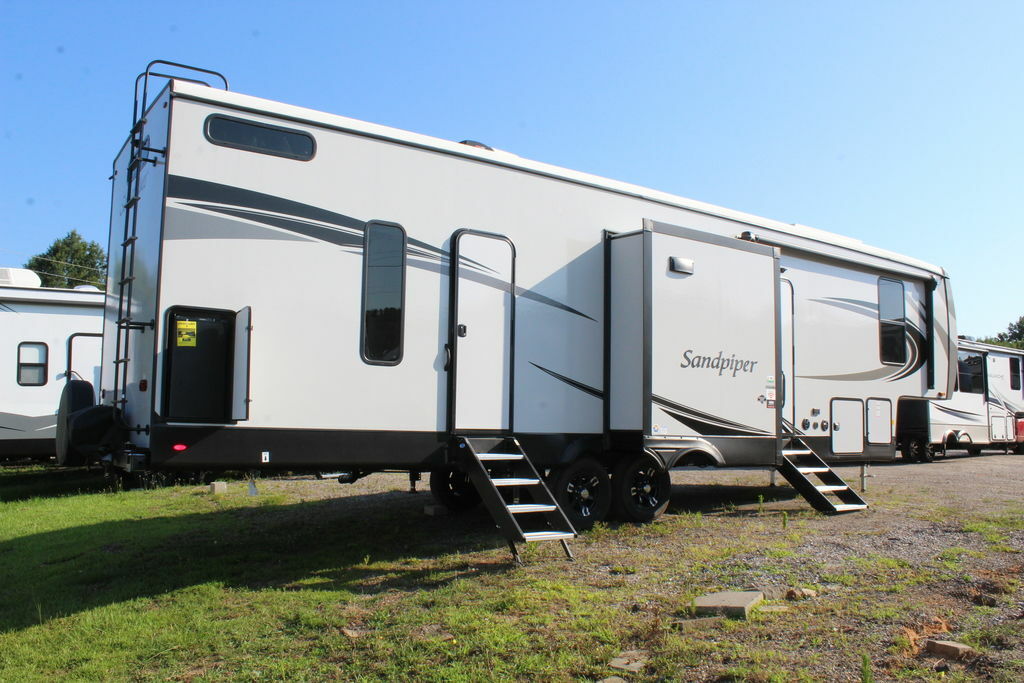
{"points": [[688, 625], [728, 603], [612, 679], [218, 487], [435, 510], [948, 649], [632, 661]]}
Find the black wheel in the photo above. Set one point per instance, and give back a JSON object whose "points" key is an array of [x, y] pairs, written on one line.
{"points": [[909, 450], [452, 488], [974, 450], [583, 491], [77, 394], [921, 451], [641, 489]]}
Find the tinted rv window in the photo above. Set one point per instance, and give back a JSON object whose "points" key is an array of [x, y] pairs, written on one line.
{"points": [[33, 358], [383, 293], [258, 137], [1015, 374], [971, 375], [891, 322]]}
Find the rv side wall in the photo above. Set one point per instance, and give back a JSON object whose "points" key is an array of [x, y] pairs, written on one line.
{"points": [[284, 236]]}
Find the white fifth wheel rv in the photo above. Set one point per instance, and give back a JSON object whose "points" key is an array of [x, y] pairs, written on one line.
{"points": [[986, 409], [291, 289], [46, 337]]}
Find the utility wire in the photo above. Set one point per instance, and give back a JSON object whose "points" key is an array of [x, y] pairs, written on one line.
{"points": [[66, 277], [64, 263]]}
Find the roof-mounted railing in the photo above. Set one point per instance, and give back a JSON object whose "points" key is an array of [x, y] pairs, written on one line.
{"points": [[143, 80]]}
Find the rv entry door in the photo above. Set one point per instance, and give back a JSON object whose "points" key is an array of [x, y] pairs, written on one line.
{"points": [[480, 336]]}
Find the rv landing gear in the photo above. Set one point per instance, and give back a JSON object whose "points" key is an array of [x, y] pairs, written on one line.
{"points": [[452, 488], [583, 491], [641, 489]]}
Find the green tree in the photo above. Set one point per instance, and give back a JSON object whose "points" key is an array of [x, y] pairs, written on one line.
{"points": [[1013, 337], [70, 261]]}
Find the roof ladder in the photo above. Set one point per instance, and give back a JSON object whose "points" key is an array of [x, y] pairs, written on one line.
{"points": [[514, 493], [829, 494]]}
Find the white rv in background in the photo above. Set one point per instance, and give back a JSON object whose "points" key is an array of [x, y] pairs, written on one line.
{"points": [[985, 411], [46, 337], [291, 289]]}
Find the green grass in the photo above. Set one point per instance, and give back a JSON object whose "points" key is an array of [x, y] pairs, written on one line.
{"points": [[176, 584]]}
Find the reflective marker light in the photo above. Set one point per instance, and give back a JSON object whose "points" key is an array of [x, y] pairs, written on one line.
{"points": [[179, 447]]}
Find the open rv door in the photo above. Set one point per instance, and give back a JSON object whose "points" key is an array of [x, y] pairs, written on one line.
{"points": [[242, 348]]}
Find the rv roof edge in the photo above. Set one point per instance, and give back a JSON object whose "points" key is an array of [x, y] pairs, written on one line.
{"points": [[343, 123]]}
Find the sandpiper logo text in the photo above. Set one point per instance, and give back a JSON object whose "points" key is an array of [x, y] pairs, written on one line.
{"points": [[732, 364]]}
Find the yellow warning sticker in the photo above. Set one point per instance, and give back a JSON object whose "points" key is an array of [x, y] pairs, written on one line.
{"points": [[186, 333]]}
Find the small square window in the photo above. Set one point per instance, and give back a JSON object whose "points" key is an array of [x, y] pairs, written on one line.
{"points": [[32, 364]]}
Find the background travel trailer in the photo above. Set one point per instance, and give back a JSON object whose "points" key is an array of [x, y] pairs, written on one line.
{"points": [[46, 336], [296, 290], [985, 411]]}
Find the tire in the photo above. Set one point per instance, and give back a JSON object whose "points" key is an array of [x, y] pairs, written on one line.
{"points": [[974, 450], [76, 395], [921, 450], [909, 450], [452, 488], [641, 489], [583, 491]]}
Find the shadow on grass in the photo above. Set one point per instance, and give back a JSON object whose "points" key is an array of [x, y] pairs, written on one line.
{"points": [[712, 498], [360, 544], [24, 481]]}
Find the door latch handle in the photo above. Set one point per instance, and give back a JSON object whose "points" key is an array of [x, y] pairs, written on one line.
{"points": [[447, 357], [461, 330]]}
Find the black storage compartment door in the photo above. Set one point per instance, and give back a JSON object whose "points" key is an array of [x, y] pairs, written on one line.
{"points": [[198, 365]]}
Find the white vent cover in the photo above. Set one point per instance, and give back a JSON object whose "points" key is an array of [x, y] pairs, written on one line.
{"points": [[18, 277]]}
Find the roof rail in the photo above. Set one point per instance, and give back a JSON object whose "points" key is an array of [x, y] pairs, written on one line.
{"points": [[144, 77]]}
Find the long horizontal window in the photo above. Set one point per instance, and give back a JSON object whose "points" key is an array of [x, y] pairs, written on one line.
{"points": [[383, 293], [33, 362], [260, 137], [891, 322]]}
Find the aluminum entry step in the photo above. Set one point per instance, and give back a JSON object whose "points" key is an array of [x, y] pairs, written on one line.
{"points": [[515, 481], [803, 451], [831, 489], [500, 456], [548, 535], [849, 507], [523, 508], [811, 470]]}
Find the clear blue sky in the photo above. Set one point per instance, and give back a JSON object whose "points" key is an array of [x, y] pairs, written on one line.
{"points": [[898, 123]]}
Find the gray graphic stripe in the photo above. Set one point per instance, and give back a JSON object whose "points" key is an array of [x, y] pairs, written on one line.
{"points": [[571, 382]]}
